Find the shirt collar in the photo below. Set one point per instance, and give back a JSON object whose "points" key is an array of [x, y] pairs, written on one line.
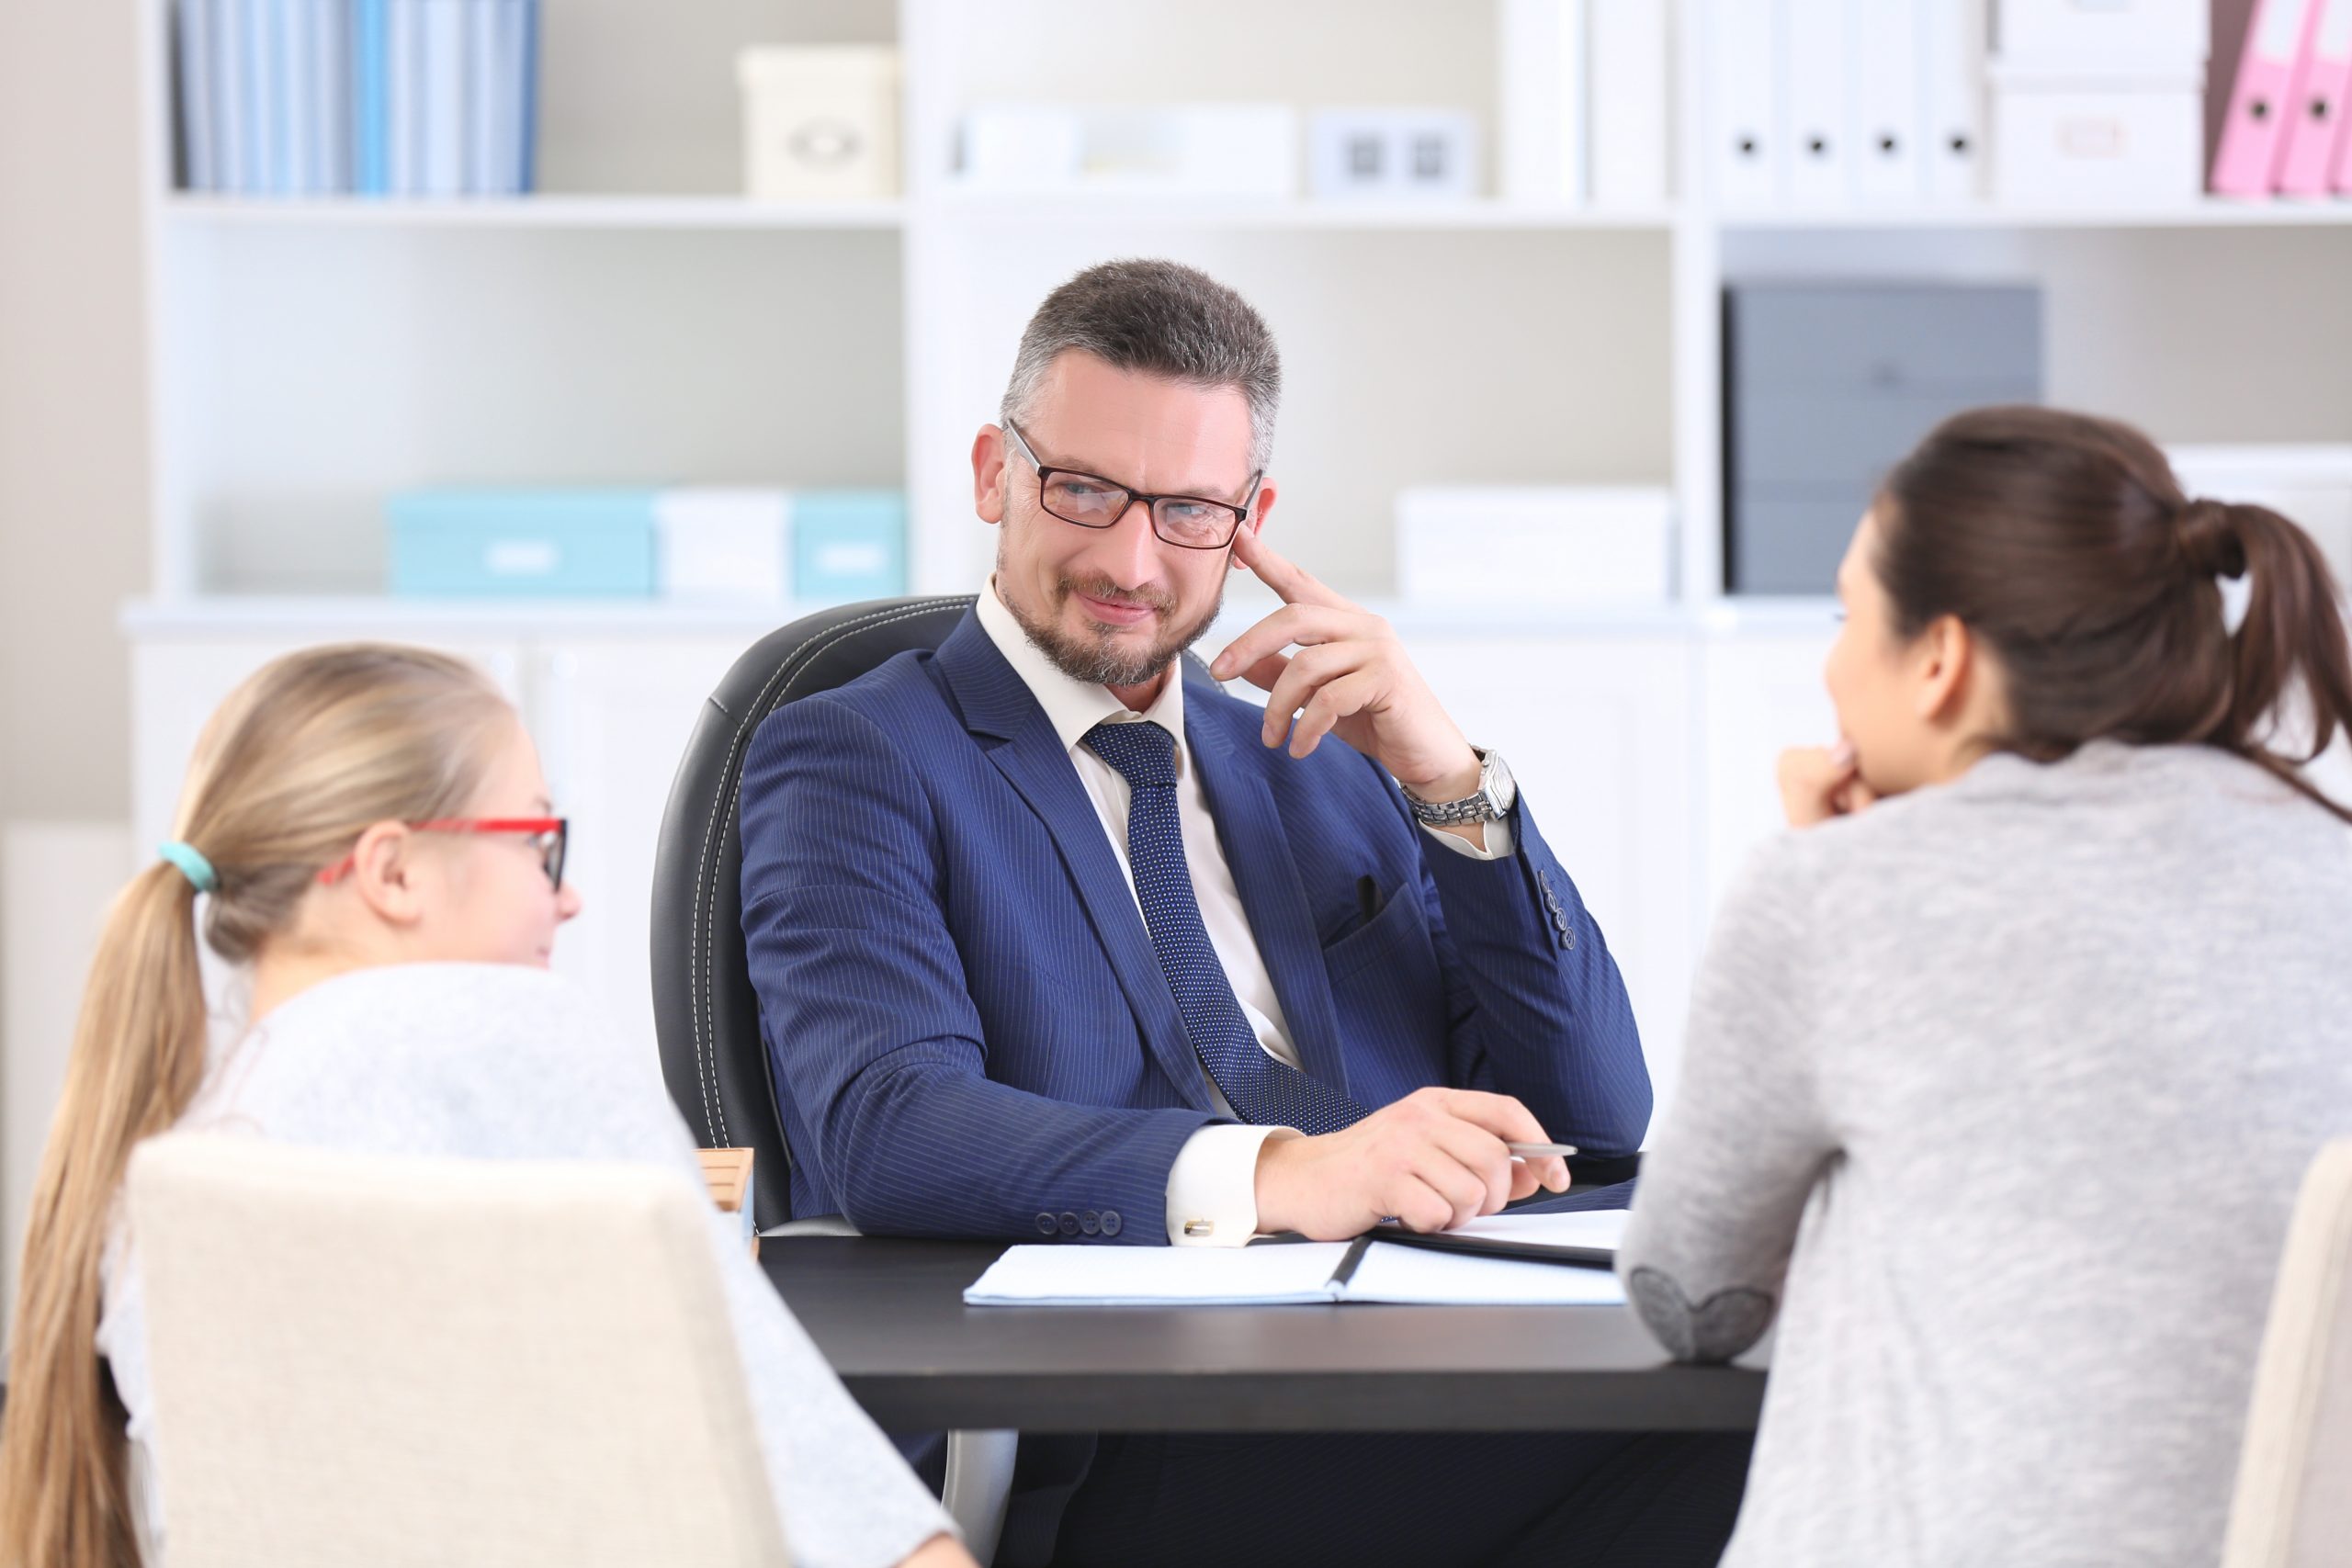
{"points": [[1073, 708]]}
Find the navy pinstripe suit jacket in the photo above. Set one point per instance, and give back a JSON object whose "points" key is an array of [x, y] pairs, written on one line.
{"points": [[966, 1022]]}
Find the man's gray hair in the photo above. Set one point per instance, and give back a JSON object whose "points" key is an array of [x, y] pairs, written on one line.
{"points": [[1160, 317]]}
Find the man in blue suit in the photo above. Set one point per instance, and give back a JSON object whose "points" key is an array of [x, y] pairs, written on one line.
{"points": [[1054, 939]]}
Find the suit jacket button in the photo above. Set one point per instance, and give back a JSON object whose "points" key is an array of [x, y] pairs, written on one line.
{"points": [[1567, 938], [1045, 1224], [1561, 920], [1110, 1222], [1069, 1224], [1089, 1222]]}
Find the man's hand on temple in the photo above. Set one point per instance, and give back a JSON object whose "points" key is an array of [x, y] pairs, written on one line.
{"points": [[1351, 677], [1433, 1160]]}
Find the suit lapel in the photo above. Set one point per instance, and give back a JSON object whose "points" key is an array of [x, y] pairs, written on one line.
{"points": [[1267, 878], [998, 707]]}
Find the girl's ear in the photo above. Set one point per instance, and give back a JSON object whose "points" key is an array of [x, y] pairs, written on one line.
{"points": [[384, 873]]}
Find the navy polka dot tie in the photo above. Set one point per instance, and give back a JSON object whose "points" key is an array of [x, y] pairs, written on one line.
{"points": [[1260, 1088]]}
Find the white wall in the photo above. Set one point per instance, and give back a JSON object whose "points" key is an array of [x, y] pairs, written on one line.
{"points": [[73, 518]]}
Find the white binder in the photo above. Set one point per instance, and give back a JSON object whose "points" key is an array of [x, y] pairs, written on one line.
{"points": [[1626, 60], [1816, 134], [1888, 117], [1952, 36], [1743, 108], [1541, 70]]}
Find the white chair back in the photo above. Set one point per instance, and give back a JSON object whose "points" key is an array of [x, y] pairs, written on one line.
{"points": [[2294, 1507], [390, 1362]]}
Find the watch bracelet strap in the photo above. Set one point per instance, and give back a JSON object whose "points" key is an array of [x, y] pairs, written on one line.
{"points": [[1472, 809]]}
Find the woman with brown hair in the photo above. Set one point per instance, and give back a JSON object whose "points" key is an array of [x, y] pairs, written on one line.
{"points": [[2003, 1071], [372, 838]]}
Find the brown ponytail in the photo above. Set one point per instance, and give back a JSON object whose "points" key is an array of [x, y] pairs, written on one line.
{"points": [[2064, 542], [303, 758]]}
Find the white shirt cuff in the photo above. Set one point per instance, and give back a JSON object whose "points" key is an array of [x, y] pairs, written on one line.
{"points": [[1498, 841], [1213, 1187]]}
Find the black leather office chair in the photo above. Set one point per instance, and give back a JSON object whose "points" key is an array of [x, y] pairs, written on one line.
{"points": [[705, 1013]]}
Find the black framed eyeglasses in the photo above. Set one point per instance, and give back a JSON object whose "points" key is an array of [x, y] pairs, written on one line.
{"points": [[1188, 522]]}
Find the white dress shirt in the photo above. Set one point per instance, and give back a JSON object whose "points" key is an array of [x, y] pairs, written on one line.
{"points": [[1212, 1189]]}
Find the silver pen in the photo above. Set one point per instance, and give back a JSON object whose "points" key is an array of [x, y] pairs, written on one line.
{"points": [[1539, 1151]]}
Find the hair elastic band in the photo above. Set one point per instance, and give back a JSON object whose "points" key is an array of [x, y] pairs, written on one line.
{"points": [[192, 865]]}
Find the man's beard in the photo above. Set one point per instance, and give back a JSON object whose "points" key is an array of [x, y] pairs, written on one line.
{"points": [[1096, 657]]}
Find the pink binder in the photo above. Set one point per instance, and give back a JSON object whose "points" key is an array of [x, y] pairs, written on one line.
{"points": [[2247, 158], [2344, 164], [2315, 128]]}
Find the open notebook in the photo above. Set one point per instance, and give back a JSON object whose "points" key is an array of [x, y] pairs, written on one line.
{"points": [[1554, 1261]]}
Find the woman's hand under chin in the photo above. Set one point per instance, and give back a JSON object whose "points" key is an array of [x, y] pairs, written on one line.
{"points": [[1821, 782]]}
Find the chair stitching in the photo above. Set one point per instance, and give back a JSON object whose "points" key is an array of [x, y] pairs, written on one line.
{"points": [[699, 956]]}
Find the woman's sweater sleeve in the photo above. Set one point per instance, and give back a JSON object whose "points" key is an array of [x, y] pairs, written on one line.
{"points": [[1726, 1178]]}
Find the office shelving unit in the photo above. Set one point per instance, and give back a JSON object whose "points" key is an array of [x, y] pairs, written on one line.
{"points": [[637, 323], [1576, 344]]}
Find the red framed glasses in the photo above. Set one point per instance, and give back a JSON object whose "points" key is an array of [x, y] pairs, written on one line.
{"points": [[549, 835]]}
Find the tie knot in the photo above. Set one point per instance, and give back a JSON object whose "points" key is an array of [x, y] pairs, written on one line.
{"points": [[1143, 755]]}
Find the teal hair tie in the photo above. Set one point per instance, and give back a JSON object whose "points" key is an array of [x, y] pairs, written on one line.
{"points": [[194, 866]]}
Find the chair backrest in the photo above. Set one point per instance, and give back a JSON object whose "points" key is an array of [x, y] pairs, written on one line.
{"points": [[373, 1360], [2294, 1507], [705, 1014]]}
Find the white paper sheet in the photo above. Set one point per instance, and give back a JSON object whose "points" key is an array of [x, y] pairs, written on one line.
{"points": [[1160, 1276], [1419, 1276], [1594, 1227]]}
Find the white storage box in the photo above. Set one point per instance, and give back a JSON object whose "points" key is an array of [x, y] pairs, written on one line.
{"points": [[723, 546], [2311, 485], [1386, 155], [1236, 149], [1525, 545], [2073, 139], [2104, 33], [819, 122]]}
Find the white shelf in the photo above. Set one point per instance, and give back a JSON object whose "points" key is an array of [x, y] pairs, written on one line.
{"points": [[269, 615], [1227, 212], [2213, 212], [537, 212], [737, 212]]}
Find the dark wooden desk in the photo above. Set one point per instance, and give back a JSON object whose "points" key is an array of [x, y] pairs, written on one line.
{"points": [[890, 1315]]}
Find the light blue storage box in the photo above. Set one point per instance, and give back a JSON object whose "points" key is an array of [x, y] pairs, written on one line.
{"points": [[522, 543], [849, 543]]}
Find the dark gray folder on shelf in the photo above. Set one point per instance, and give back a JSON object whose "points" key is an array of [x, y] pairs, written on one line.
{"points": [[1826, 385]]}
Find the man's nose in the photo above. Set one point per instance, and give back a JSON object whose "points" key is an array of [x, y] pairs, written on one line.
{"points": [[1129, 550]]}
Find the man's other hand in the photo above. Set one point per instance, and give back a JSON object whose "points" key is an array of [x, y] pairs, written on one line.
{"points": [[1433, 1160]]}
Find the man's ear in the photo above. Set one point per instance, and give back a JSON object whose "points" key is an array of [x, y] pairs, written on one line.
{"points": [[1947, 667], [1260, 504], [989, 473], [384, 873]]}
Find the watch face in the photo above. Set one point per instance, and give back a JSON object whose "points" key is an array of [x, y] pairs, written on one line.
{"points": [[1502, 789]]}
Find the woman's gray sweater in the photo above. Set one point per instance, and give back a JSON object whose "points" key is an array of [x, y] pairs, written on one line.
{"points": [[1999, 1095]]}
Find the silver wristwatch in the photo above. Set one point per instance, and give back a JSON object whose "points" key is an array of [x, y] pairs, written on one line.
{"points": [[1496, 790]]}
